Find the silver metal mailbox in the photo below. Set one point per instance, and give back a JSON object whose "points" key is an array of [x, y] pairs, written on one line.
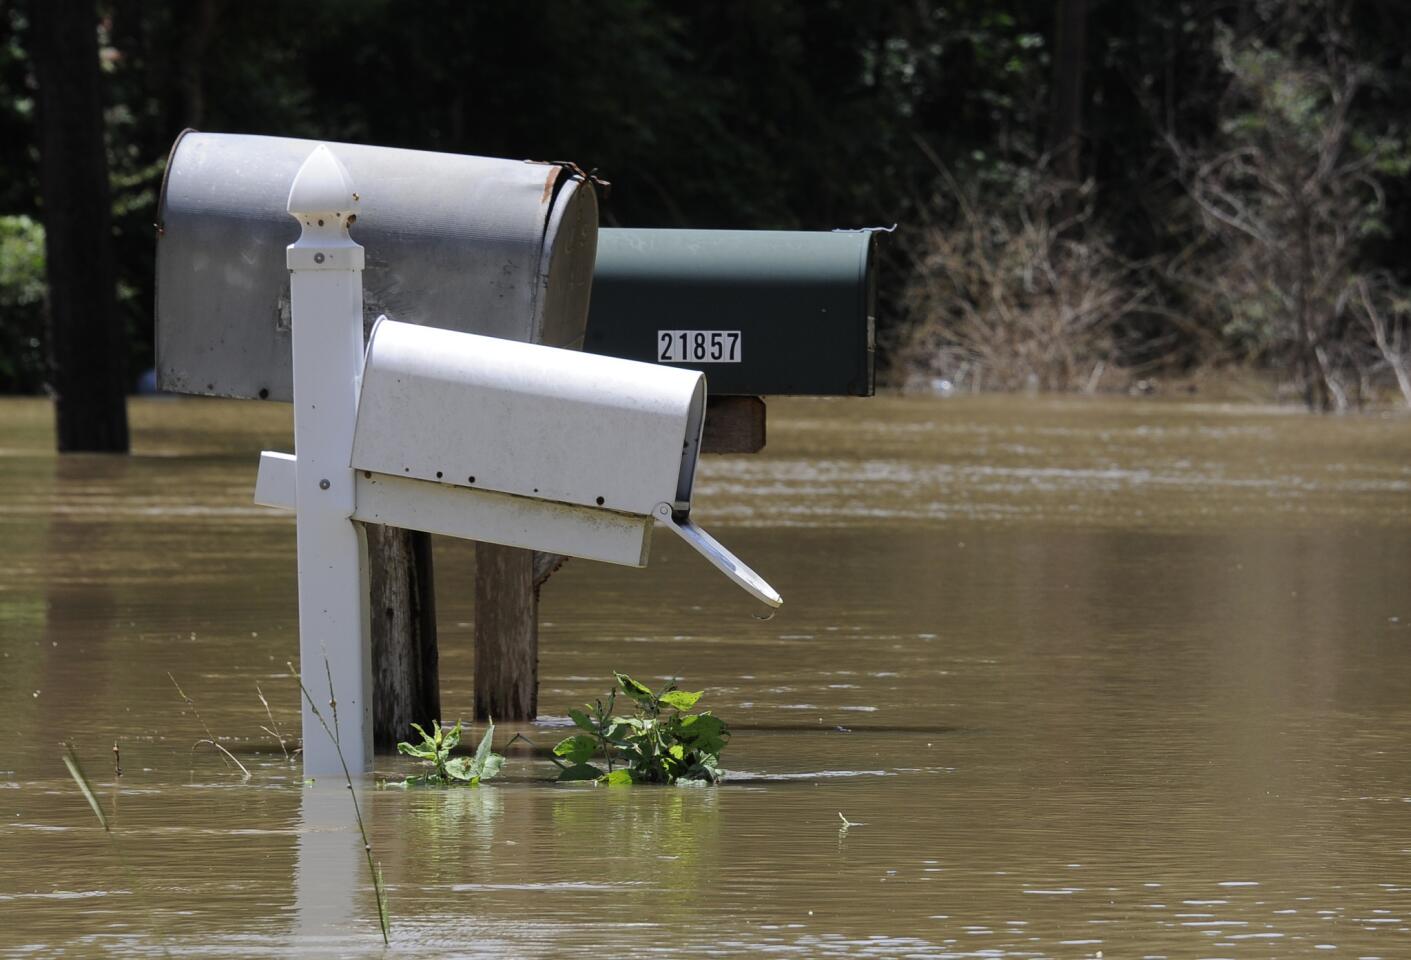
{"points": [[503, 248]]}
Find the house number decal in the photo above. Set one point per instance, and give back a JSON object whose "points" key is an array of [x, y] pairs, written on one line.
{"points": [[698, 346]]}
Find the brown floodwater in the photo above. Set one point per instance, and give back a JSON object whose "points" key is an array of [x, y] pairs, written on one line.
{"points": [[1109, 677]]}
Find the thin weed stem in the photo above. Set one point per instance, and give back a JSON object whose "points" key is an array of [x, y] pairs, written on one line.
{"points": [[373, 868], [273, 728], [228, 755], [210, 737]]}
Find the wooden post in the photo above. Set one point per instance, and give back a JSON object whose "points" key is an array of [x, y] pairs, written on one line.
{"points": [[734, 425], [405, 671], [506, 634]]}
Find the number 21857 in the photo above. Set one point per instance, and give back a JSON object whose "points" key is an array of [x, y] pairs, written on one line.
{"points": [[698, 346]]}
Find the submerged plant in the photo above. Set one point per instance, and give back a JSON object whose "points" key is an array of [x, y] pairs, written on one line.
{"points": [[659, 743], [435, 750], [210, 737]]}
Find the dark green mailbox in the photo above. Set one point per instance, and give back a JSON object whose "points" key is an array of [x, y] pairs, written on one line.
{"points": [[761, 312]]}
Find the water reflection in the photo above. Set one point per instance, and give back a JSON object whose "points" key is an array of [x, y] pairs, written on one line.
{"points": [[331, 871]]}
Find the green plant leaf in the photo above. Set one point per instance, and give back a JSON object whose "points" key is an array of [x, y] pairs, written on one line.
{"points": [[417, 752], [451, 738], [583, 721], [703, 725], [706, 732], [460, 768], [681, 699], [424, 735], [84, 787], [582, 771], [635, 690], [483, 751], [576, 749], [491, 770], [618, 778]]}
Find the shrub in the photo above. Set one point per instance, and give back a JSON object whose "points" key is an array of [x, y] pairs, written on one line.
{"points": [[659, 743]]}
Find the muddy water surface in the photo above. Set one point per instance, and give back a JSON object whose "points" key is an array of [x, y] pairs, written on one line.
{"points": [[1110, 677]]}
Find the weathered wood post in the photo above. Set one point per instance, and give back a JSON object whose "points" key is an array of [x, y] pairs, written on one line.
{"points": [[326, 310], [506, 634], [507, 585], [406, 676]]}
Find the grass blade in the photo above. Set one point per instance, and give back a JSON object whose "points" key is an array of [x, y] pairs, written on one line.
{"points": [[226, 752], [273, 728], [84, 787]]}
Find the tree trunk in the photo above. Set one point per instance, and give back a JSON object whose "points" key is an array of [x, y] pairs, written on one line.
{"points": [[1311, 364], [405, 675], [195, 22], [87, 346], [1065, 134], [506, 633]]}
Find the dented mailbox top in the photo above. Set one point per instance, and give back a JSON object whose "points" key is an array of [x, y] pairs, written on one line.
{"points": [[532, 421], [497, 247]]}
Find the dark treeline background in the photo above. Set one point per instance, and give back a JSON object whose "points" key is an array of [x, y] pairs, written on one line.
{"points": [[1090, 193]]}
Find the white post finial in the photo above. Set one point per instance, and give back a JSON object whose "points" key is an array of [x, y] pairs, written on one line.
{"points": [[322, 199], [326, 300], [322, 186]]}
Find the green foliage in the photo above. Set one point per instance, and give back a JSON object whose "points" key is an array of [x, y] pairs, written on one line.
{"points": [[22, 365], [659, 743], [1292, 192], [781, 115], [435, 751]]}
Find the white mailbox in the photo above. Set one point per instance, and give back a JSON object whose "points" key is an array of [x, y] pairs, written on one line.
{"points": [[491, 414]]}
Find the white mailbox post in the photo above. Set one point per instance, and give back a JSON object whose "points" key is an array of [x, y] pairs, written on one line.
{"points": [[326, 304], [458, 434]]}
